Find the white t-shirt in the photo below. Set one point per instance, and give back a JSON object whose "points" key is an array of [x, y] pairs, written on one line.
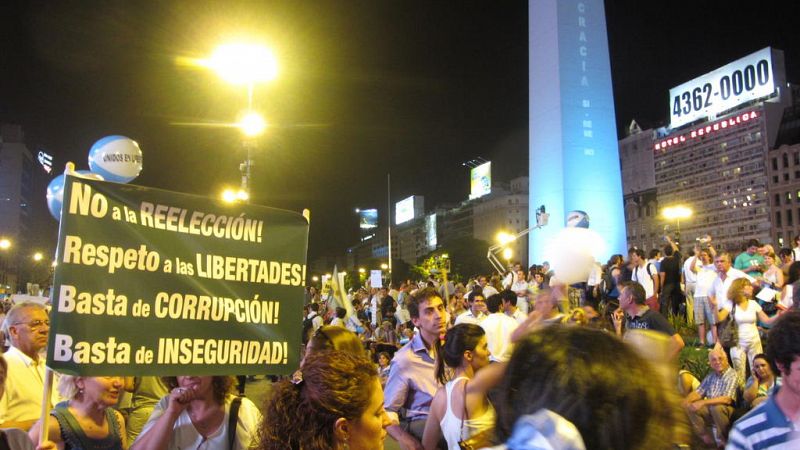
{"points": [[499, 327], [641, 276], [688, 275], [185, 436], [746, 319], [522, 302], [705, 278]]}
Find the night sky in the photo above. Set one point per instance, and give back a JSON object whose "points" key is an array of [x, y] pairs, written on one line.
{"points": [[413, 88]]}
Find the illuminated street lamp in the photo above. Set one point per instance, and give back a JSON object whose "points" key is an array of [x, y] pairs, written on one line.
{"points": [[677, 213], [384, 266], [362, 270], [315, 278], [507, 254], [5, 244], [504, 238], [252, 124], [243, 63], [231, 195], [38, 256]]}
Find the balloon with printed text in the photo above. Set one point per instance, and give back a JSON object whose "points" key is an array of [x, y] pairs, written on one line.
{"points": [[116, 158]]}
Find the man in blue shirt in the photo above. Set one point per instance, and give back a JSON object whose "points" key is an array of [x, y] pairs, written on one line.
{"points": [[412, 382], [775, 424]]}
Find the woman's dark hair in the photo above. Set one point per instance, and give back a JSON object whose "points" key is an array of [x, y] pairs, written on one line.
{"points": [[340, 312], [591, 379], [783, 342], [335, 338], [460, 338], [614, 260], [794, 272], [301, 416], [222, 386]]}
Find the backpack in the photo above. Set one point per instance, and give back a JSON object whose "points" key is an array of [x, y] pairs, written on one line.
{"points": [[607, 284], [308, 325]]}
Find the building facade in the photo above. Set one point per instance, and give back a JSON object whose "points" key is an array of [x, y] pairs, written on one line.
{"points": [[16, 185]]}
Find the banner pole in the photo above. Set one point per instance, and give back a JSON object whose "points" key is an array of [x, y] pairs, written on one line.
{"points": [[44, 433]]}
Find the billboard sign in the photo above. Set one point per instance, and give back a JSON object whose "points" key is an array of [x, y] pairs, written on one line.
{"points": [[746, 79], [404, 210], [480, 180], [367, 219]]}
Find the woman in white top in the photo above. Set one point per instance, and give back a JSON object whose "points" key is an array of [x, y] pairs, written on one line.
{"points": [[460, 409], [746, 312], [773, 276]]}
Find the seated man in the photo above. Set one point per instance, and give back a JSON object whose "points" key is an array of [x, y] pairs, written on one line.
{"points": [[712, 402]]}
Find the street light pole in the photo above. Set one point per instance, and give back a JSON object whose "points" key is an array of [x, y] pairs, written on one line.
{"points": [[389, 216]]}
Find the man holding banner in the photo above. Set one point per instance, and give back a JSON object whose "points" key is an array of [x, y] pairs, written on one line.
{"points": [[27, 328]]}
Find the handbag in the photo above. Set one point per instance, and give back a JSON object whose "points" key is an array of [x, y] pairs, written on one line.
{"points": [[478, 440], [726, 330]]}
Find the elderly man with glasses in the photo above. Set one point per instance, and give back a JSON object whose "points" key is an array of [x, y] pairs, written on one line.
{"points": [[26, 327]]}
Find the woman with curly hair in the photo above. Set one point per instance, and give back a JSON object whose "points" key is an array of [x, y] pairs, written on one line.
{"points": [[197, 414], [746, 313], [336, 404]]}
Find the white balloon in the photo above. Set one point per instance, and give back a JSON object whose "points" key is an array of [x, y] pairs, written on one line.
{"points": [[571, 253]]}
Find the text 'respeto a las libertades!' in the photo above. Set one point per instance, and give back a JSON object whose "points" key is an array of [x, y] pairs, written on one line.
{"points": [[172, 305]]}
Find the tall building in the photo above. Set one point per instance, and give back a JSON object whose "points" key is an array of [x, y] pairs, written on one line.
{"points": [[783, 176], [717, 158], [639, 188], [717, 169], [16, 183]]}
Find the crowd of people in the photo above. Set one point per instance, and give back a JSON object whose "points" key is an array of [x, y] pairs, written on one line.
{"points": [[509, 361]]}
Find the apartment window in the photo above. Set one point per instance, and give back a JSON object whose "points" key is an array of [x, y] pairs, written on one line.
{"points": [[785, 160], [778, 219], [774, 163], [777, 200], [796, 158], [775, 179], [789, 218], [786, 177]]}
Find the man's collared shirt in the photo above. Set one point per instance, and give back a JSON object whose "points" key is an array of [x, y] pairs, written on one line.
{"points": [[719, 385], [719, 288], [412, 381], [518, 315], [468, 317], [24, 387], [764, 427]]}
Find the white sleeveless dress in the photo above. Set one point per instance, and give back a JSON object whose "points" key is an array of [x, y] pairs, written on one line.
{"points": [[451, 425]]}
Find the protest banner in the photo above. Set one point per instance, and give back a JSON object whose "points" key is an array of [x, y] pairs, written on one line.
{"points": [[152, 282]]}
